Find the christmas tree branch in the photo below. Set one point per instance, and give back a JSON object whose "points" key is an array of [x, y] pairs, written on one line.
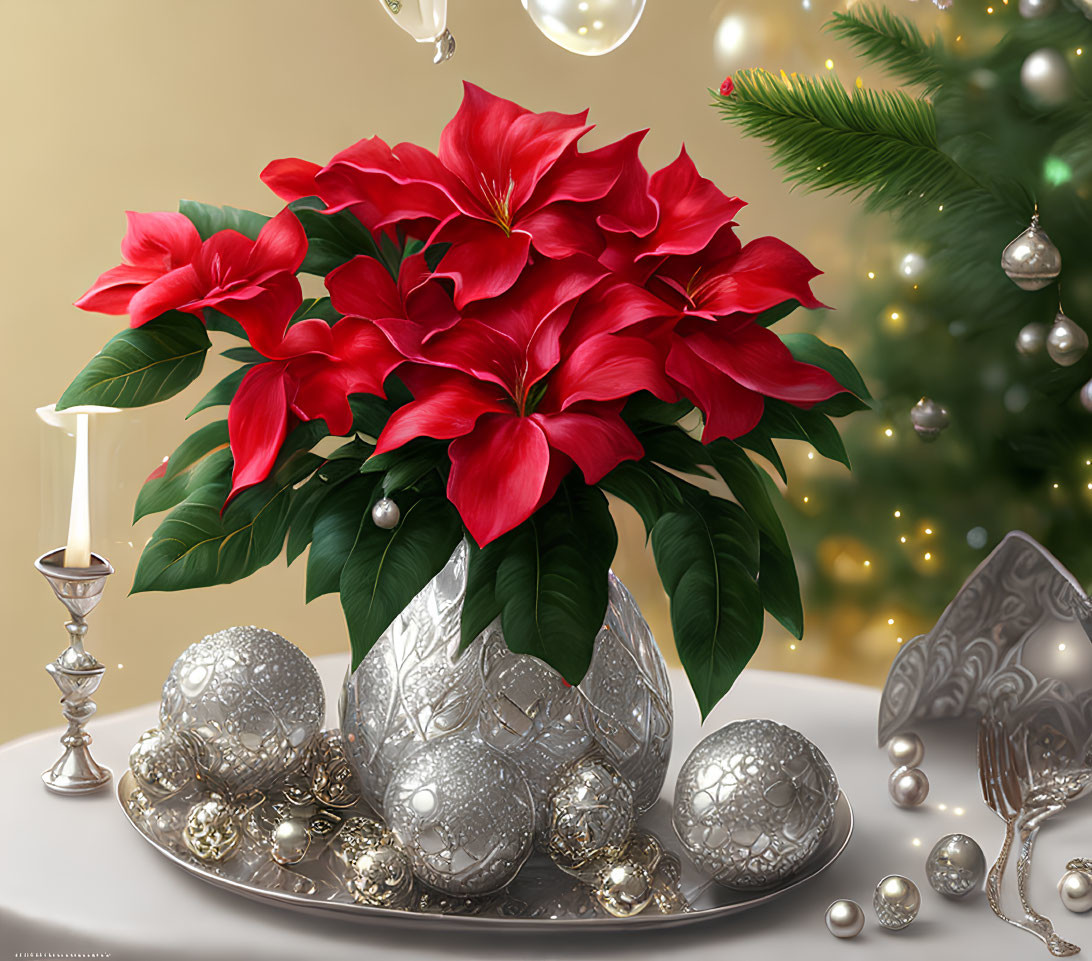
{"points": [[879, 145], [881, 37]]}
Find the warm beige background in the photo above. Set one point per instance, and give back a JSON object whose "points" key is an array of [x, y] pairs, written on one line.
{"points": [[116, 104]]}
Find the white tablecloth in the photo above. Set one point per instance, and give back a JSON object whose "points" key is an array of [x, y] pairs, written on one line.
{"points": [[76, 877]]}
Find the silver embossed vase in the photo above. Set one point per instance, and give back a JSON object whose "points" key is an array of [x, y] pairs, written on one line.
{"points": [[414, 690]]}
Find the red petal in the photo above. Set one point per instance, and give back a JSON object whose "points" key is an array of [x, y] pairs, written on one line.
{"points": [[281, 245], [766, 272], [160, 240], [291, 178], [756, 358], [730, 410], [473, 348], [586, 176], [362, 287], [265, 312], [483, 260], [497, 474], [257, 424], [113, 291], [563, 230], [596, 438], [607, 367], [629, 206], [174, 291]]}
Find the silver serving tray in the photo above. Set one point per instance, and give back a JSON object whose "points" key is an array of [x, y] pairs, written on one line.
{"points": [[537, 879]]}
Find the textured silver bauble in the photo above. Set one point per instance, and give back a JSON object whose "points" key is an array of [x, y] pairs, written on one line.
{"points": [[906, 750], [1034, 9], [381, 876], [1031, 339], [1046, 77], [956, 866], [385, 514], [845, 919], [1086, 397], [929, 418], [357, 835], [290, 841], [416, 686], [1031, 260], [897, 901], [590, 812], [463, 814], [248, 703], [211, 832], [161, 763], [624, 889], [1067, 341], [752, 802], [1075, 887], [908, 786]]}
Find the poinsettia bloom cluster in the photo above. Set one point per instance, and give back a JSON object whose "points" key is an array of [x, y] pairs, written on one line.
{"points": [[553, 285]]}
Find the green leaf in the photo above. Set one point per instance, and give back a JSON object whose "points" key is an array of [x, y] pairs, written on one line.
{"points": [[675, 448], [840, 405], [333, 239], [310, 494], [244, 355], [209, 219], [198, 546], [320, 307], [337, 518], [783, 420], [772, 315], [758, 440], [480, 604], [779, 586], [196, 446], [370, 413], [142, 365], [387, 569], [648, 489], [214, 320], [809, 349], [223, 391], [643, 407], [213, 467], [750, 486], [706, 554], [552, 580]]}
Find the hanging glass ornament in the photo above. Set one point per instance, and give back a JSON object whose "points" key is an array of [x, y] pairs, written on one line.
{"points": [[1031, 339], [1067, 342], [929, 418], [426, 22], [1046, 77], [1031, 260], [1086, 397], [588, 27], [1034, 9]]}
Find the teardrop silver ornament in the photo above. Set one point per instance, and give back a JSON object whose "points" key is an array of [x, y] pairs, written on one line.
{"points": [[929, 418], [1067, 342], [1086, 397], [1031, 260]]}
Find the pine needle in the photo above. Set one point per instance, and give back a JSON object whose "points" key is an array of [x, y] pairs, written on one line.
{"points": [[883, 38]]}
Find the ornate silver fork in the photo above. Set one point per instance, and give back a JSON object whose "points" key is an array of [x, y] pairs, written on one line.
{"points": [[1007, 789]]}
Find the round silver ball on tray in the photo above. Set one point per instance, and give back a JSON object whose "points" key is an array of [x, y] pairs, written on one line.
{"points": [[211, 832], [845, 918], [752, 802], [906, 750], [908, 787], [381, 876], [624, 889], [162, 763], [590, 814], [897, 901], [955, 866], [248, 703], [1075, 887], [463, 814]]}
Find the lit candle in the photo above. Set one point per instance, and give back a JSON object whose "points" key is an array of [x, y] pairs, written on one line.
{"points": [[77, 552]]}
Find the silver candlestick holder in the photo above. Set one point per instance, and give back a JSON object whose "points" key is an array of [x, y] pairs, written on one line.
{"points": [[76, 672]]}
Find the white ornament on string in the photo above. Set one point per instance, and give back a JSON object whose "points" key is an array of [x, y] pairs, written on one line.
{"points": [[1046, 77], [425, 21], [590, 28]]}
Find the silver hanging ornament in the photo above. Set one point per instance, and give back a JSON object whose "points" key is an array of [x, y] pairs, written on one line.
{"points": [[845, 919], [906, 750], [929, 419], [896, 901], [1031, 339], [908, 787], [1046, 77], [1075, 887], [426, 22], [956, 866], [1034, 9], [1031, 260], [1086, 397], [385, 514], [587, 27], [1067, 342]]}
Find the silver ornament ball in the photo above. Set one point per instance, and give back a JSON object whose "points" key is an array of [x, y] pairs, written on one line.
{"points": [[752, 802], [906, 750], [955, 866], [291, 840], [587, 27], [1030, 259], [929, 418], [624, 889], [896, 901], [248, 703], [1046, 77], [463, 813], [1031, 339], [1075, 890], [845, 919], [908, 787], [385, 514], [161, 763], [590, 813], [1034, 9], [211, 832], [1067, 342], [381, 876], [1086, 397]]}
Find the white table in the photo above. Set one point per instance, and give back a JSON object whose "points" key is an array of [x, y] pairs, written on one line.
{"points": [[77, 878]]}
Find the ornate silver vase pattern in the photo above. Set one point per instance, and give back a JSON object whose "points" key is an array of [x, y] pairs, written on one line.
{"points": [[414, 687]]}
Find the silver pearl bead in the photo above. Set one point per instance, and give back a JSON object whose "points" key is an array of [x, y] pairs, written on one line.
{"points": [[1086, 397], [897, 901], [906, 750], [929, 418], [908, 786], [845, 919], [385, 514], [1067, 342], [956, 866], [1075, 889], [1031, 260], [1031, 339], [291, 839]]}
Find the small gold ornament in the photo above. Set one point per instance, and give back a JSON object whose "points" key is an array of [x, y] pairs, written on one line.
{"points": [[358, 835], [211, 833], [291, 839], [591, 815], [381, 877], [624, 889]]}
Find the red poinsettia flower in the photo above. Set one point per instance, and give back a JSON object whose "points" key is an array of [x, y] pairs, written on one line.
{"points": [[154, 245], [521, 402]]}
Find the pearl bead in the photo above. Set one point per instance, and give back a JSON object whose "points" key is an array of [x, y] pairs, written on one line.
{"points": [[845, 919], [956, 866], [1076, 891], [897, 901], [908, 787], [385, 514], [906, 750]]}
